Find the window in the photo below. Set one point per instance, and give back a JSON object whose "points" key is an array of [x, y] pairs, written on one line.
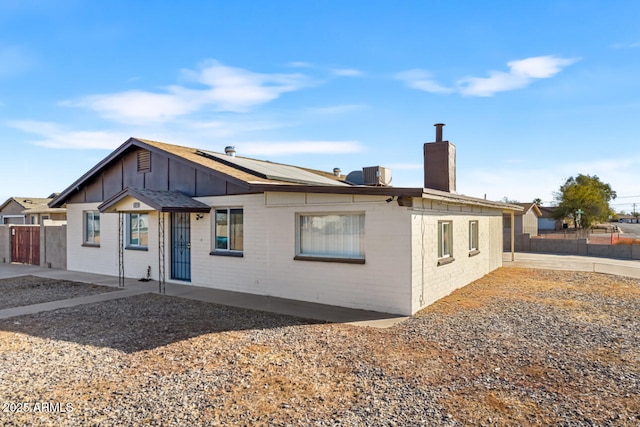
{"points": [[92, 228], [229, 230], [445, 239], [334, 237], [137, 230], [473, 235]]}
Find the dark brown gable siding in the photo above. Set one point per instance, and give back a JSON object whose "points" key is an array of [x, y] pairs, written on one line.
{"points": [[132, 178], [182, 178], [112, 181], [209, 185], [167, 173]]}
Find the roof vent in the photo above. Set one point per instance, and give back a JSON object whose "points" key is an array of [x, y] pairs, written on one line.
{"points": [[230, 150], [337, 171]]}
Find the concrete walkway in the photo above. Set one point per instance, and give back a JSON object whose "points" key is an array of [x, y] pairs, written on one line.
{"points": [[328, 313], [285, 306], [620, 267]]}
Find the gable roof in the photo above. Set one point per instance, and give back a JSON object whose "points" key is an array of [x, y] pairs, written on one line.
{"points": [[251, 176], [243, 172], [27, 202], [526, 207], [162, 201]]}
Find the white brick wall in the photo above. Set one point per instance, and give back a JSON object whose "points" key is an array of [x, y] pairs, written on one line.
{"points": [[268, 267], [431, 281], [400, 274]]}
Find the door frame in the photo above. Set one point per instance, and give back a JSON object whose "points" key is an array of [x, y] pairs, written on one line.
{"points": [[180, 262]]}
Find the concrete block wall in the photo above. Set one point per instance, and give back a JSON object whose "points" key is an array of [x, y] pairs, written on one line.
{"points": [[268, 266], [575, 247], [5, 244], [431, 281], [53, 246], [104, 259]]}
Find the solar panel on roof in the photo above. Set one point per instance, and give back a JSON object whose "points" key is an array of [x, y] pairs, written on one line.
{"points": [[273, 171]]}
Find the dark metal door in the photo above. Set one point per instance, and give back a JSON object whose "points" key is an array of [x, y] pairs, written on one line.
{"points": [[181, 246], [25, 244]]}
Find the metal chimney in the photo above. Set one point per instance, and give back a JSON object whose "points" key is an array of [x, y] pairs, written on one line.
{"points": [[439, 127], [230, 150], [440, 163]]}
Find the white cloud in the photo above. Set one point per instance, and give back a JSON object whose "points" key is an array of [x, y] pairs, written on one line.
{"points": [[522, 73], [626, 45], [421, 80], [346, 72], [526, 183], [225, 89], [298, 147], [300, 64], [52, 136]]}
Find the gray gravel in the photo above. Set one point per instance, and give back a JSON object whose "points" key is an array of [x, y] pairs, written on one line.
{"points": [[492, 354], [28, 290]]}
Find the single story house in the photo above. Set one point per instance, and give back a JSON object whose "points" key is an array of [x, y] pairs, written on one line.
{"points": [[30, 210], [198, 217], [524, 222], [546, 221]]}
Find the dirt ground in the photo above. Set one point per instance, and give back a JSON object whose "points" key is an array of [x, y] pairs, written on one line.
{"points": [[518, 347]]}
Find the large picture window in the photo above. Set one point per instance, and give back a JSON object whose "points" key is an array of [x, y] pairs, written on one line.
{"points": [[229, 230], [137, 230], [92, 228], [445, 239], [332, 237]]}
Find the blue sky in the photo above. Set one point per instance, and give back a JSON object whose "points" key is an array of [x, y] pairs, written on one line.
{"points": [[531, 92]]}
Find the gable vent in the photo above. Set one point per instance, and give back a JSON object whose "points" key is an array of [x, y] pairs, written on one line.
{"points": [[144, 161]]}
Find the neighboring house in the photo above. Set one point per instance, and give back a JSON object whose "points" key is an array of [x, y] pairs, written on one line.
{"points": [[546, 221], [209, 219], [30, 210], [525, 222]]}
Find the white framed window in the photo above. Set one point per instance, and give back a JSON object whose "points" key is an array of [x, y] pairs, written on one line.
{"points": [[473, 235], [331, 237], [445, 239], [137, 230], [228, 230], [91, 228]]}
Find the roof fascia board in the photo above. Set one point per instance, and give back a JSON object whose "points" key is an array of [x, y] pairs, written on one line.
{"points": [[424, 193], [148, 201], [64, 195]]}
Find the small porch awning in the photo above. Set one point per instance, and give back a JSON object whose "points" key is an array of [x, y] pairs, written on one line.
{"points": [[142, 199]]}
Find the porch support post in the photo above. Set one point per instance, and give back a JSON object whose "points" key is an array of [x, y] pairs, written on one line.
{"points": [[161, 257], [513, 237], [120, 249]]}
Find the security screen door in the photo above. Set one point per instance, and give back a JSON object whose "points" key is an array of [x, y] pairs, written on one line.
{"points": [[180, 246]]}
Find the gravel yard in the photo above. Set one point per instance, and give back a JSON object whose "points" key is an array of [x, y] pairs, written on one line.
{"points": [[518, 347], [28, 290]]}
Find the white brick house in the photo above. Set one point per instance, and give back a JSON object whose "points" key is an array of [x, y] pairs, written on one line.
{"points": [[215, 220]]}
